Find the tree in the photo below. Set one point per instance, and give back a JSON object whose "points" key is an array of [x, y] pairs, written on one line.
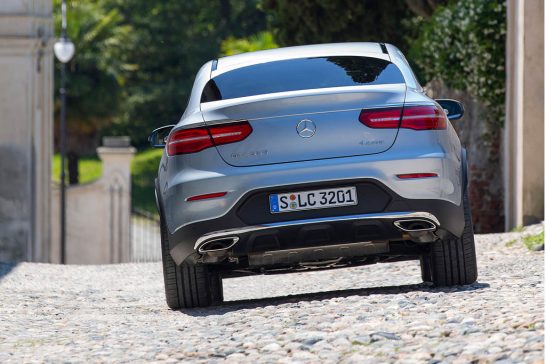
{"points": [[425, 8], [172, 40], [95, 75], [324, 21], [464, 45], [255, 42]]}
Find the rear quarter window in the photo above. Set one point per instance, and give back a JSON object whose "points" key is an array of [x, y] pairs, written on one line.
{"points": [[301, 74]]}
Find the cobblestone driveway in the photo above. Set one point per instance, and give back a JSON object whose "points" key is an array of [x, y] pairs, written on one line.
{"points": [[369, 314]]}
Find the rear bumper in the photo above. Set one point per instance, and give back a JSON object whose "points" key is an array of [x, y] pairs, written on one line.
{"points": [[260, 231], [356, 221], [181, 177]]}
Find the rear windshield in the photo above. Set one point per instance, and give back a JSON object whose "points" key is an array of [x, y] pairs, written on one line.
{"points": [[301, 74]]}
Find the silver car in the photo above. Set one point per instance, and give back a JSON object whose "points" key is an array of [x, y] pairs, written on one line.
{"points": [[310, 157]]}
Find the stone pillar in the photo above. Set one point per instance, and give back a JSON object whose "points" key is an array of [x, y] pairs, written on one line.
{"points": [[98, 214], [26, 112], [116, 156], [524, 125]]}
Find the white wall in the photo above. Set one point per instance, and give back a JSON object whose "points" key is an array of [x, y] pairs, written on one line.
{"points": [[26, 112]]}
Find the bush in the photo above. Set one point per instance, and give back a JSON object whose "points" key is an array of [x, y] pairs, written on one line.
{"points": [[464, 45], [256, 42], [143, 174]]}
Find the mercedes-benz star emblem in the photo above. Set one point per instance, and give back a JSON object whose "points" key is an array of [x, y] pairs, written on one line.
{"points": [[306, 128]]}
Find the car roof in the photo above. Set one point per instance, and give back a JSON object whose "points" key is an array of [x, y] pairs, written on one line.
{"points": [[317, 50]]}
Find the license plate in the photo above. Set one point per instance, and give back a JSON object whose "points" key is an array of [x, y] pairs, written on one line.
{"points": [[309, 200]]}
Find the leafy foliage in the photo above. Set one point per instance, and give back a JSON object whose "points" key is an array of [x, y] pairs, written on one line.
{"points": [[324, 21], [464, 45], [256, 42], [172, 40], [97, 72]]}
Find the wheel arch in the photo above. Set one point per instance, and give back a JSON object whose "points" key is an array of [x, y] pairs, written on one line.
{"points": [[464, 169]]}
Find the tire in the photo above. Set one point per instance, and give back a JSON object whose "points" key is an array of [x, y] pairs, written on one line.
{"points": [[426, 274], [452, 262], [188, 285]]}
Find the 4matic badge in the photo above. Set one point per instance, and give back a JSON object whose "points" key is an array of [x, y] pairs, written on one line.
{"points": [[254, 153]]}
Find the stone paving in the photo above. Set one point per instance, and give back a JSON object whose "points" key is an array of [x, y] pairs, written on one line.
{"points": [[378, 313]]}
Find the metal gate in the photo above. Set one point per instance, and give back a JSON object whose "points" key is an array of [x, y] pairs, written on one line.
{"points": [[145, 236]]}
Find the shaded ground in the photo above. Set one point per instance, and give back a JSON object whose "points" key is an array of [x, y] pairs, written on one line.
{"points": [[367, 314]]}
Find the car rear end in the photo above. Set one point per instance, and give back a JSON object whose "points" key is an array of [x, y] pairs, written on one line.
{"points": [[307, 158]]}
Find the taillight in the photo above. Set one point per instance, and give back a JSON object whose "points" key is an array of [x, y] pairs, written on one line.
{"points": [[197, 139], [381, 118], [188, 141], [230, 133], [428, 117], [417, 117]]}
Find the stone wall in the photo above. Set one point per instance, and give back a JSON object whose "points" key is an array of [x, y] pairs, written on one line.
{"points": [[97, 214], [26, 111]]}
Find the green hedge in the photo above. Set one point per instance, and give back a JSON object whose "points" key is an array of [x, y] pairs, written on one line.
{"points": [[143, 173], [90, 169], [464, 45]]}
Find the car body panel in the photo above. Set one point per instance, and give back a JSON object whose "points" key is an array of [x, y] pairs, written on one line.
{"points": [[334, 154], [333, 113], [189, 176]]}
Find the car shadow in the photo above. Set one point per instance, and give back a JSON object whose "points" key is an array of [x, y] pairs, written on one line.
{"points": [[231, 306]]}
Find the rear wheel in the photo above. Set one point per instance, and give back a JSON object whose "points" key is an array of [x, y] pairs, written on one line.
{"points": [[426, 274], [452, 262], [188, 285]]}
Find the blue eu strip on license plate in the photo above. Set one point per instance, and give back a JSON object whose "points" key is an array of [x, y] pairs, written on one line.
{"points": [[274, 203]]}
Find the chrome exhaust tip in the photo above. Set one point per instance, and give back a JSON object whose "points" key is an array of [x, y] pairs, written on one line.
{"points": [[220, 245], [415, 225]]}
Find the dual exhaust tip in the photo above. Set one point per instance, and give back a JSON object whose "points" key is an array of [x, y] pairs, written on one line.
{"points": [[220, 245], [415, 225]]}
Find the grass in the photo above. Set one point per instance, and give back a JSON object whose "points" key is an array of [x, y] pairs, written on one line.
{"points": [[143, 173], [511, 243], [533, 241], [89, 168]]}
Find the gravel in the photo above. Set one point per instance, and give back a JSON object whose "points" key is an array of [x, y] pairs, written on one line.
{"points": [[117, 313]]}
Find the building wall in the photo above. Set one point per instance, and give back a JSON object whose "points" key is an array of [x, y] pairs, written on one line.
{"points": [[524, 125], [26, 111], [533, 113]]}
